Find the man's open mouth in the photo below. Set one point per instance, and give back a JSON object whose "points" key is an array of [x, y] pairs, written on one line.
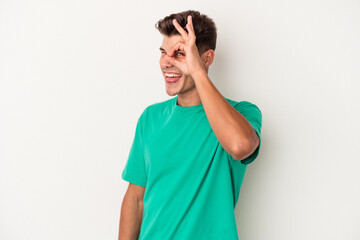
{"points": [[172, 77]]}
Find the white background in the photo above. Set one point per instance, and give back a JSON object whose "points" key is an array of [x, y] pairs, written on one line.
{"points": [[76, 75]]}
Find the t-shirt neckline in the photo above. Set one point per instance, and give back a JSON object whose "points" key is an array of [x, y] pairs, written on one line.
{"points": [[195, 108]]}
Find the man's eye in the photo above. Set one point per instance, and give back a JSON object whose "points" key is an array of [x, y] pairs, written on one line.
{"points": [[180, 54]]}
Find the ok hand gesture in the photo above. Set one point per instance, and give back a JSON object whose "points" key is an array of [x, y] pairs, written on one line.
{"points": [[192, 63]]}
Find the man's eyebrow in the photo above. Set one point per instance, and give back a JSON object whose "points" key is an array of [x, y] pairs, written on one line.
{"points": [[161, 49]]}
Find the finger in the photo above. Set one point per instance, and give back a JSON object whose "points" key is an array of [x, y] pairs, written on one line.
{"points": [[190, 26], [179, 46], [191, 32], [180, 29]]}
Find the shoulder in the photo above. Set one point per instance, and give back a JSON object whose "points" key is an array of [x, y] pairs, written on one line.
{"points": [[243, 105], [158, 108]]}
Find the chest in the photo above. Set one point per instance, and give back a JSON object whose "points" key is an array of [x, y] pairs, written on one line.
{"points": [[176, 144]]}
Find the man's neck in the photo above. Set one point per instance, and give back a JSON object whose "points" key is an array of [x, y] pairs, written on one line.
{"points": [[188, 100]]}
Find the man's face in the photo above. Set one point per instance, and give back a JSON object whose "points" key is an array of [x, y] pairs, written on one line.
{"points": [[175, 81]]}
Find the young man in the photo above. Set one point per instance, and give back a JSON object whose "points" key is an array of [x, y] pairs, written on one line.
{"points": [[189, 153]]}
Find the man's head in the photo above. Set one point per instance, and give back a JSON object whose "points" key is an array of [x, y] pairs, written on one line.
{"points": [[205, 32], [205, 29]]}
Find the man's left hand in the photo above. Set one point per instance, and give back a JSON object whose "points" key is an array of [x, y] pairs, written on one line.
{"points": [[192, 63]]}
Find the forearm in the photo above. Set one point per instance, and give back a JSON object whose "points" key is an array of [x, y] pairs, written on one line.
{"points": [[234, 132], [130, 219]]}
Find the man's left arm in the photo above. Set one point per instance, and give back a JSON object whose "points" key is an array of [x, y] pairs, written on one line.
{"points": [[232, 129], [234, 132]]}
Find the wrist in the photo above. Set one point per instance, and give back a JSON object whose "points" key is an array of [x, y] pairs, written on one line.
{"points": [[200, 74]]}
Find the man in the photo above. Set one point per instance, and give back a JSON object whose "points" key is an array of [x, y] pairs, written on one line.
{"points": [[189, 153]]}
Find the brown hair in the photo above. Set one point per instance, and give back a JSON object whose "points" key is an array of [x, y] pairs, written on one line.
{"points": [[204, 27]]}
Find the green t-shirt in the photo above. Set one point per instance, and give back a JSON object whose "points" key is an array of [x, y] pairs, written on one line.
{"points": [[192, 183]]}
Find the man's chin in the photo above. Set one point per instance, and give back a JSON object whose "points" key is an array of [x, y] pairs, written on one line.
{"points": [[170, 93]]}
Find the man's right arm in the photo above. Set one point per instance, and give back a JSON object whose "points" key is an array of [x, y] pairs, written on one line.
{"points": [[131, 213]]}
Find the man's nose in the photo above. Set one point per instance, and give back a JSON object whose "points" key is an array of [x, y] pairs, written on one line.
{"points": [[166, 60]]}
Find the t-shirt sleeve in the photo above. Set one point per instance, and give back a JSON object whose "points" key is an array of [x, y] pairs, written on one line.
{"points": [[135, 169], [253, 114]]}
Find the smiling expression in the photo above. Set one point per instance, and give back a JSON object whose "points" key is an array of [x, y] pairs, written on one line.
{"points": [[175, 81]]}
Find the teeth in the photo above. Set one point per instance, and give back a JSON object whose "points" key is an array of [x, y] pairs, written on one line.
{"points": [[172, 75]]}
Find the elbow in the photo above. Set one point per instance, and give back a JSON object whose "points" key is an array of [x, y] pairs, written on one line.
{"points": [[244, 149]]}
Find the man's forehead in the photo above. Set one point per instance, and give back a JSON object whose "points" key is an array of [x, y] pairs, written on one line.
{"points": [[170, 41]]}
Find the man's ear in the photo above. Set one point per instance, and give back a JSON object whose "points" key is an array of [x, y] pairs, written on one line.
{"points": [[208, 57]]}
